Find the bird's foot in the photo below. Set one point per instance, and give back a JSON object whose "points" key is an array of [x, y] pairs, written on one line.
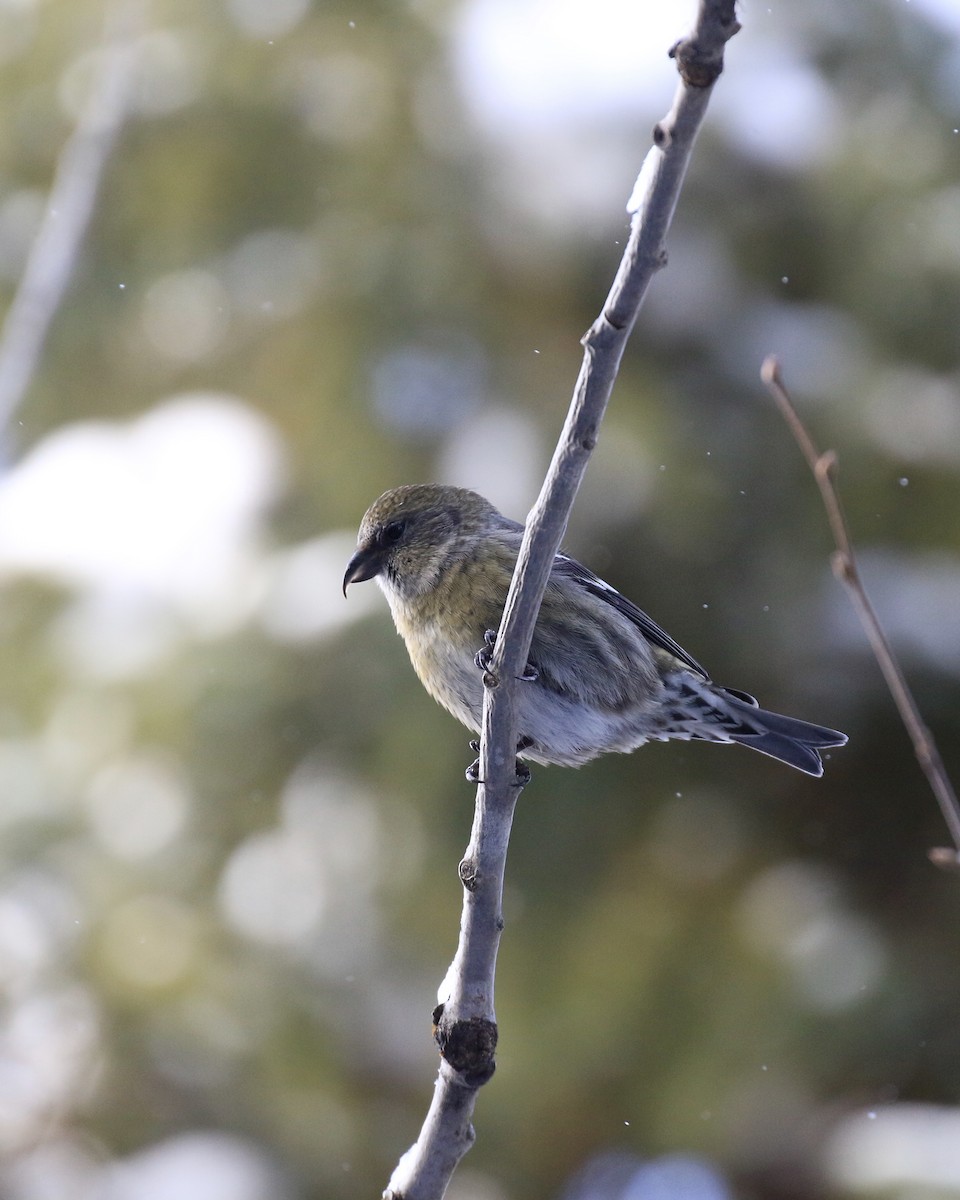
{"points": [[484, 657], [521, 769], [473, 771]]}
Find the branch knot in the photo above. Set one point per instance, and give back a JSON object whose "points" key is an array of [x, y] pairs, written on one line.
{"points": [[699, 58], [469, 1047], [697, 68], [469, 875]]}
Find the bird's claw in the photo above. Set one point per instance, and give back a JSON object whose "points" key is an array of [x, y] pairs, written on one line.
{"points": [[473, 771], [484, 657], [521, 769]]}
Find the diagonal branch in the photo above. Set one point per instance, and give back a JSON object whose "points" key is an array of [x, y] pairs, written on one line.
{"points": [[845, 568], [70, 204], [466, 1021]]}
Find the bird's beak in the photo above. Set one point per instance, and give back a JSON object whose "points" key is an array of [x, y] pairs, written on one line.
{"points": [[365, 564]]}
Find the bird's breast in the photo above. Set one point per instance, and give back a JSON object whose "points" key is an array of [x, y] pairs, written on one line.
{"points": [[445, 666]]}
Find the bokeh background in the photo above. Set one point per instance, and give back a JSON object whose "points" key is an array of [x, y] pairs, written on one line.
{"points": [[340, 246]]}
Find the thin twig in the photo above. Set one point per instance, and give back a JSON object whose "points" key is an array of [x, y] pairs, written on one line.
{"points": [[79, 171], [843, 560], [466, 1021]]}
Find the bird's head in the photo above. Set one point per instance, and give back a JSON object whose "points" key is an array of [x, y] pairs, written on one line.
{"points": [[412, 534]]}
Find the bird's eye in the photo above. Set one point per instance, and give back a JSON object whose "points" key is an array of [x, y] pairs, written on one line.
{"points": [[393, 532]]}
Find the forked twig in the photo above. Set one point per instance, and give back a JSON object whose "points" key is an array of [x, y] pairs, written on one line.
{"points": [[844, 563]]}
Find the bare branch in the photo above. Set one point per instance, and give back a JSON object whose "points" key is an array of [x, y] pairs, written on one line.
{"points": [[843, 560], [466, 1021], [80, 168]]}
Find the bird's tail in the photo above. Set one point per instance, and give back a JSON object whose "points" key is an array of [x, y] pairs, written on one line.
{"points": [[736, 717]]}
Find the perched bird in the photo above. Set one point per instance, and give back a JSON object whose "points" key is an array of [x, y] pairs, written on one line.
{"points": [[602, 675]]}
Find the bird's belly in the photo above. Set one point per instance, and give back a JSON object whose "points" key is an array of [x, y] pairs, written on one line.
{"points": [[560, 729], [565, 732]]}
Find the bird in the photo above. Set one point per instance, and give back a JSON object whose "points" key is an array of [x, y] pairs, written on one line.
{"points": [[602, 676]]}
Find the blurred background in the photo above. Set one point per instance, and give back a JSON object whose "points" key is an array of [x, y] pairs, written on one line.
{"points": [[340, 246]]}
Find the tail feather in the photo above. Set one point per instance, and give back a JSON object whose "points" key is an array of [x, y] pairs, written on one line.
{"points": [[788, 750], [788, 739], [724, 715]]}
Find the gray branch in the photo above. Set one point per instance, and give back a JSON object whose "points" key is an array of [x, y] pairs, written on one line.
{"points": [[466, 1029], [70, 204]]}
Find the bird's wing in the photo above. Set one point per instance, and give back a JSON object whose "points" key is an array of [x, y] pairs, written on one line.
{"points": [[571, 569]]}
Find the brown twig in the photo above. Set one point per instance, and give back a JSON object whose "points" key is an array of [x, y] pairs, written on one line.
{"points": [[844, 563]]}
